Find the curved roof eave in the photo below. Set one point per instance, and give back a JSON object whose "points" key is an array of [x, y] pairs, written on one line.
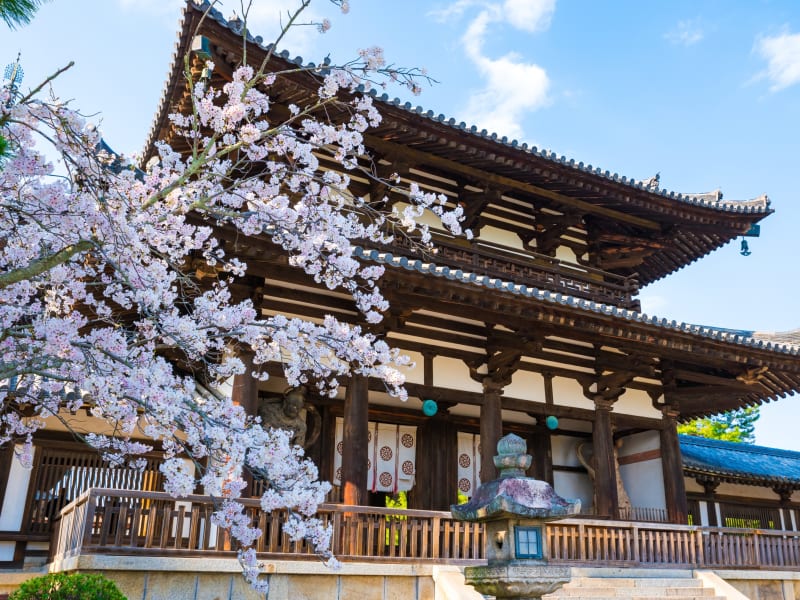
{"points": [[711, 201], [737, 337]]}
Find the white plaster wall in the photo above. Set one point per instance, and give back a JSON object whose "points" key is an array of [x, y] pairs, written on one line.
{"points": [[16, 494], [513, 416], [14, 504], [566, 254], [703, 514], [745, 491], [692, 486], [501, 237], [466, 410], [414, 373], [568, 392], [7, 550], [564, 450], [574, 486], [454, 374], [427, 218], [636, 402], [526, 385], [644, 482], [640, 442]]}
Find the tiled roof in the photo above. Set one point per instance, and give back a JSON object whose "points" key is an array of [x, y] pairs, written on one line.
{"points": [[741, 337], [780, 337], [740, 461], [712, 200]]}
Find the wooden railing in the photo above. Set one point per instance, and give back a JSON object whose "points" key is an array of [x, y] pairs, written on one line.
{"points": [[154, 523], [581, 541], [644, 513], [534, 270], [151, 523]]}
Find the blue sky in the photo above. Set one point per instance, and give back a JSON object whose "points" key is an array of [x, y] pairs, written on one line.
{"points": [[705, 92]]}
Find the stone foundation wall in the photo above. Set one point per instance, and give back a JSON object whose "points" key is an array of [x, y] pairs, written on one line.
{"points": [[220, 586], [767, 589], [148, 578]]}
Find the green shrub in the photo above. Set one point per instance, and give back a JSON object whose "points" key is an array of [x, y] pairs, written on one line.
{"points": [[72, 586]]}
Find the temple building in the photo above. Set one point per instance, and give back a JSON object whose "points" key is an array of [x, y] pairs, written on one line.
{"points": [[532, 327]]}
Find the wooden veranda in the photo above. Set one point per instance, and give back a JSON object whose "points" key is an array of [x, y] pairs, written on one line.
{"points": [[124, 522]]}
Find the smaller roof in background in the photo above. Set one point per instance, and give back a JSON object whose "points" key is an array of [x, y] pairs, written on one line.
{"points": [[742, 463]]}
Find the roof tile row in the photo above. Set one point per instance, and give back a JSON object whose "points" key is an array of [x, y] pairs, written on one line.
{"points": [[758, 205], [744, 338]]}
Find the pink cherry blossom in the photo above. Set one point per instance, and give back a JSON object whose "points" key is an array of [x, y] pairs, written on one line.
{"points": [[101, 296]]}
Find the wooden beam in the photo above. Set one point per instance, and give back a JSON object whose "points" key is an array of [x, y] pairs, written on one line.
{"points": [[506, 182], [714, 380]]}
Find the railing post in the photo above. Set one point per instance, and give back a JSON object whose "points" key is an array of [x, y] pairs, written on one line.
{"points": [[756, 549], [88, 524], [699, 553], [436, 532], [635, 531]]}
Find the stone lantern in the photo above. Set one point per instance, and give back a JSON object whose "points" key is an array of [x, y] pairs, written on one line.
{"points": [[514, 509]]}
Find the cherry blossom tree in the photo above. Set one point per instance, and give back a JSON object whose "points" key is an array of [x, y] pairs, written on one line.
{"points": [[101, 308]]}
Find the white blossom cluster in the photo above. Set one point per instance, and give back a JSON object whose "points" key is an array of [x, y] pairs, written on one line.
{"points": [[101, 307]]}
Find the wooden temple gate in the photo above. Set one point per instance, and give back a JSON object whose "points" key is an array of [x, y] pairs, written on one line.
{"points": [[533, 320]]}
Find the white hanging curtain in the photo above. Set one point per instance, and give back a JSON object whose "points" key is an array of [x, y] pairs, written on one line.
{"points": [[391, 452], [469, 462]]}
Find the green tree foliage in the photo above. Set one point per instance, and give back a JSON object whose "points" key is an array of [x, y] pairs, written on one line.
{"points": [[63, 586], [18, 12], [734, 426]]}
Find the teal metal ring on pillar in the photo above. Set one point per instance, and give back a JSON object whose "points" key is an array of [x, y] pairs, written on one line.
{"points": [[429, 407], [551, 422]]}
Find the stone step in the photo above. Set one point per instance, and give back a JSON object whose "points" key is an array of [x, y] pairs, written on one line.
{"points": [[637, 593], [634, 588], [640, 582], [688, 597]]}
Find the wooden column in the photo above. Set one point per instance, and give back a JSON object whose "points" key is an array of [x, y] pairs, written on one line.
{"points": [[605, 472], [326, 448], [245, 394], [245, 386], [541, 451], [491, 427], [672, 467], [435, 485], [354, 438]]}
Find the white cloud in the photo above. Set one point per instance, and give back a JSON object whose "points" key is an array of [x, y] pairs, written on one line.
{"points": [[529, 15], [452, 11], [512, 87], [685, 33], [782, 53]]}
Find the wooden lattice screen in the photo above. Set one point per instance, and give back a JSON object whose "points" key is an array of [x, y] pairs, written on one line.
{"points": [[62, 474], [749, 517]]}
